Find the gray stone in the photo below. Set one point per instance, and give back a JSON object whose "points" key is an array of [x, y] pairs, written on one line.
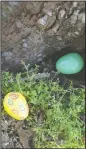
{"points": [[7, 54], [34, 7], [25, 45], [18, 24], [75, 4], [61, 13], [82, 17], [39, 60], [46, 22]]}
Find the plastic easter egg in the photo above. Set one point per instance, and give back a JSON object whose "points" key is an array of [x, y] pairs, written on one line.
{"points": [[70, 63], [16, 106]]}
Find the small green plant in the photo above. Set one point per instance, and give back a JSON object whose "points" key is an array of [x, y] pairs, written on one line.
{"points": [[54, 111]]}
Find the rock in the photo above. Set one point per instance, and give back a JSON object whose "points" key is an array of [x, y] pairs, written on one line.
{"points": [[25, 45], [46, 22], [39, 60], [77, 33], [5, 139], [18, 24], [81, 17], [42, 75], [73, 19], [75, 4], [43, 20], [61, 14], [34, 7], [49, 8], [7, 55], [14, 3], [56, 27]]}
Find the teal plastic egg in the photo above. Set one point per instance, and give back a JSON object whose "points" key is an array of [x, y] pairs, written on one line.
{"points": [[70, 63]]}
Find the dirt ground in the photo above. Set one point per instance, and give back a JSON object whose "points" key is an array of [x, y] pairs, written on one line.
{"points": [[33, 31]]}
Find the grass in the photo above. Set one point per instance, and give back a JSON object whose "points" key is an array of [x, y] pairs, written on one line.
{"points": [[54, 111]]}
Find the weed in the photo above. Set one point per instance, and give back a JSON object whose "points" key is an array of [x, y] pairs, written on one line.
{"points": [[54, 111]]}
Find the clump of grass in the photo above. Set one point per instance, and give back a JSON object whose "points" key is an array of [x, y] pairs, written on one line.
{"points": [[54, 111]]}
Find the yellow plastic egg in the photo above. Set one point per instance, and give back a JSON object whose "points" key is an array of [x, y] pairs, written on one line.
{"points": [[16, 105]]}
